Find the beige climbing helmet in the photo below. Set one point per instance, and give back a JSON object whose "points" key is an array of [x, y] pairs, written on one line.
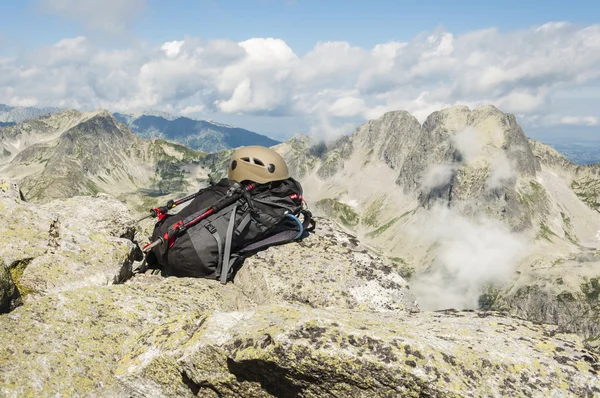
{"points": [[257, 164]]}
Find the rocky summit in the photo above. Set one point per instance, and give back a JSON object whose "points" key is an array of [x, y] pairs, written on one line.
{"points": [[462, 211], [326, 316]]}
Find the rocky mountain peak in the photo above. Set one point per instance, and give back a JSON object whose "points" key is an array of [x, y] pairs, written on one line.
{"points": [[101, 125]]}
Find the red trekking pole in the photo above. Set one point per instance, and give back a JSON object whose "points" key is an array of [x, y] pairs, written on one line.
{"points": [[161, 211], [180, 227]]}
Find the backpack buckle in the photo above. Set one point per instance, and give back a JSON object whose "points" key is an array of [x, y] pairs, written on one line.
{"points": [[211, 228]]}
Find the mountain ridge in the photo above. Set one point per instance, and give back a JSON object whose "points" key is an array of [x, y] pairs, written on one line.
{"points": [[73, 153], [194, 133], [199, 134]]}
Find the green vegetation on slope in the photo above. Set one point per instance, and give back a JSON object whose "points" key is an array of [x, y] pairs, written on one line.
{"points": [[339, 211], [383, 228], [545, 233], [369, 217], [532, 196], [588, 191], [568, 228], [16, 272]]}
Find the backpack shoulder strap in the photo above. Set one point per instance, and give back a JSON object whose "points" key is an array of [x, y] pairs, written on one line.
{"points": [[228, 240]]}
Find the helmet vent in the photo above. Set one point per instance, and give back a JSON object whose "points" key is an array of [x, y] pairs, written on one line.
{"points": [[258, 162], [246, 160], [271, 168]]}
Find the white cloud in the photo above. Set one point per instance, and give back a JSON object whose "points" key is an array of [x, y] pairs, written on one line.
{"points": [[502, 172], [172, 48], [469, 254], [579, 120], [437, 176], [192, 109], [468, 144], [561, 120], [333, 85], [347, 106], [108, 16]]}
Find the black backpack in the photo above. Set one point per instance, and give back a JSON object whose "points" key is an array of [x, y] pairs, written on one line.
{"points": [[215, 247]]}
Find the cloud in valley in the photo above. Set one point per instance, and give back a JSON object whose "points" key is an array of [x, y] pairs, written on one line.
{"points": [[437, 175], [502, 172], [469, 255], [334, 85], [468, 144]]}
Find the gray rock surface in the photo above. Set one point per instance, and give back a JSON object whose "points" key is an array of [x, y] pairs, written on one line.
{"points": [[328, 269], [326, 316], [64, 244], [186, 337]]}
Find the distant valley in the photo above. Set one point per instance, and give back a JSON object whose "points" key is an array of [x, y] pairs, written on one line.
{"points": [[580, 152]]}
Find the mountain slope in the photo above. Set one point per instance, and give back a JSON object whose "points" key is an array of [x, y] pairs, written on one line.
{"points": [[82, 153], [478, 214], [465, 205], [196, 134]]}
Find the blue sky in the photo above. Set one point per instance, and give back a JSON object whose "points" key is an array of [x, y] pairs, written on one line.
{"points": [[107, 53], [301, 23]]}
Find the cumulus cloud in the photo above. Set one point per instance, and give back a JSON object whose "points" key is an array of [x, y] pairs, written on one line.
{"points": [[333, 85], [108, 16], [347, 106], [579, 120], [172, 48], [470, 254]]}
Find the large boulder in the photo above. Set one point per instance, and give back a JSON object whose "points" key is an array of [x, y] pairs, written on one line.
{"points": [[155, 337], [65, 244], [290, 351], [330, 268], [567, 294]]}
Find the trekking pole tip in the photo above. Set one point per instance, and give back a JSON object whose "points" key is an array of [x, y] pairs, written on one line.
{"points": [[150, 246]]}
